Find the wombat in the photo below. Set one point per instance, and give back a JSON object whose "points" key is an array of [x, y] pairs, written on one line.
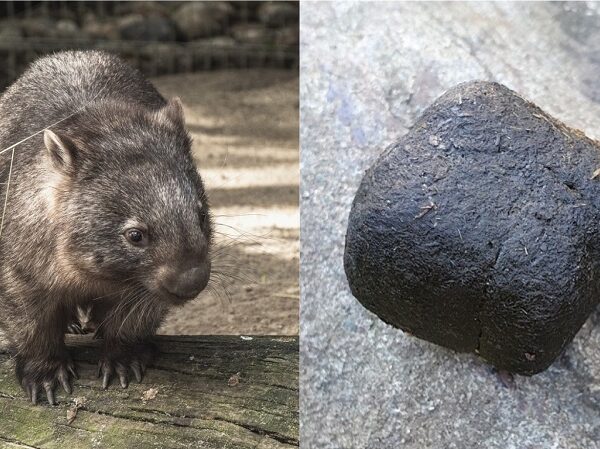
{"points": [[106, 215]]}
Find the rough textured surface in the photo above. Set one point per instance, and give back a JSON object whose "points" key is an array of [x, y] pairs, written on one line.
{"points": [[210, 392], [480, 229], [368, 72]]}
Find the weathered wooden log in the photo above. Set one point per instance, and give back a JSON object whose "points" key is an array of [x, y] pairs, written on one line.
{"points": [[480, 229], [208, 392]]}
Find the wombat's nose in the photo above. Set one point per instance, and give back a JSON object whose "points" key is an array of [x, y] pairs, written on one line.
{"points": [[189, 283]]}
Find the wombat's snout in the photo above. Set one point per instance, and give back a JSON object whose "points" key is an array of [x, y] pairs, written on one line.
{"points": [[185, 284]]}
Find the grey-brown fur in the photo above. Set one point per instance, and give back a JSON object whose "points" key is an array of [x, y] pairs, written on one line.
{"points": [[121, 161]]}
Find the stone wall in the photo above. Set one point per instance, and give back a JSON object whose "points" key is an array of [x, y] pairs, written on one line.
{"points": [[158, 37]]}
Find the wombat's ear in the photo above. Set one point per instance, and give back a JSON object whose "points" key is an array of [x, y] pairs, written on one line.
{"points": [[173, 111], [62, 151]]}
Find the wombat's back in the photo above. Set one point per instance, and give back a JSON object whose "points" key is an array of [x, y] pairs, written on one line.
{"points": [[60, 84]]}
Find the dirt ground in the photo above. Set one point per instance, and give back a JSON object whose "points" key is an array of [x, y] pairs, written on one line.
{"points": [[245, 130]]}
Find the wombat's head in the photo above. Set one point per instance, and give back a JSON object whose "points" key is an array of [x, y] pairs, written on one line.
{"points": [[130, 202]]}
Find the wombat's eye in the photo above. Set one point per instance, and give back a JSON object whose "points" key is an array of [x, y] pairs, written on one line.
{"points": [[135, 236]]}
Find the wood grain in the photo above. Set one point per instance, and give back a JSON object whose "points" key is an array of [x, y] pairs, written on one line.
{"points": [[205, 392]]}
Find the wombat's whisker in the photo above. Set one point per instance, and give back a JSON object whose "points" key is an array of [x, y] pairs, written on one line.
{"points": [[229, 235], [254, 238], [114, 293], [12, 158], [240, 215], [224, 266], [53, 124], [132, 300], [222, 234], [128, 294], [226, 157], [219, 293], [233, 242], [224, 276], [242, 277], [230, 281], [242, 233], [139, 301], [238, 230], [226, 246], [13, 146], [224, 253]]}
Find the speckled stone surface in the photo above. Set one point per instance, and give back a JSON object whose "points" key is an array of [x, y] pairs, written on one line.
{"points": [[367, 72]]}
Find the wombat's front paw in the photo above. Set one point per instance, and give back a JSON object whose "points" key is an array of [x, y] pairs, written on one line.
{"points": [[124, 358], [35, 374], [75, 328]]}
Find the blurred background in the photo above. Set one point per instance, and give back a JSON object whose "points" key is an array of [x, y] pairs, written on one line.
{"points": [[235, 67], [157, 37]]}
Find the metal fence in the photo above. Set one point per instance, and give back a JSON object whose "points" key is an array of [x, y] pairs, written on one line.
{"points": [[232, 34]]}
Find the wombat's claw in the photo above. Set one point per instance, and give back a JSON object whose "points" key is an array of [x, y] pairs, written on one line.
{"points": [[108, 368], [138, 370], [61, 377], [75, 328]]}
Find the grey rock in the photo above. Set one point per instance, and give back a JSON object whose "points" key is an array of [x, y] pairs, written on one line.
{"points": [[278, 14], [147, 28], [46, 27], [10, 29], [40, 27], [251, 33], [68, 29], [202, 19], [143, 7], [219, 41], [288, 36], [100, 29], [159, 58]]}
